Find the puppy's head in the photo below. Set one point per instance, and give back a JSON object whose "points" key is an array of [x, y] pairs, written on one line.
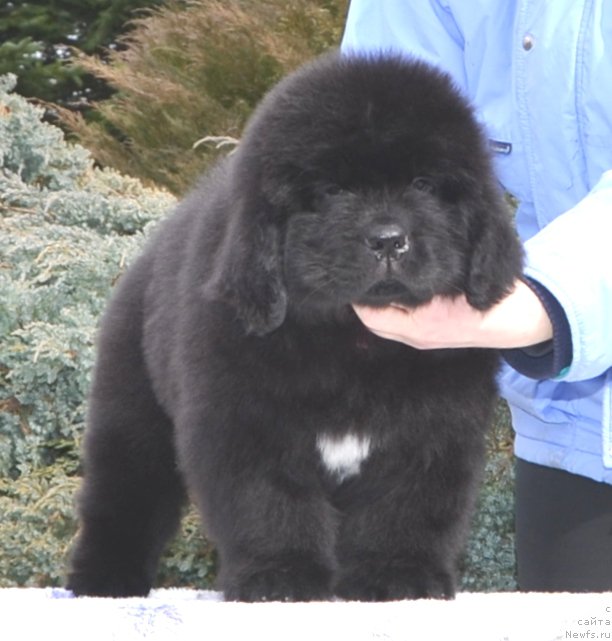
{"points": [[367, 180]]}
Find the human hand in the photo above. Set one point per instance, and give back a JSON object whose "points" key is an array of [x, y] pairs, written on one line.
{"points": [[519, 320]]}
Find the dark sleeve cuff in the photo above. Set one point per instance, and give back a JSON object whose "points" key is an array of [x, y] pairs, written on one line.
{"points": [[551, 358]]}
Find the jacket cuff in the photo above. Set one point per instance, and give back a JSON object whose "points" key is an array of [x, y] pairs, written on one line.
{"points": [[552, 358]]}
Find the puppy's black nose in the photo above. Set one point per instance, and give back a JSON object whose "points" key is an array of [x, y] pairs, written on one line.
{"points": [[387, 241]]}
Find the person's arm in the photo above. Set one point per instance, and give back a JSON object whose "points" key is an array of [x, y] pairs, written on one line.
{"points": [[572, 259]]}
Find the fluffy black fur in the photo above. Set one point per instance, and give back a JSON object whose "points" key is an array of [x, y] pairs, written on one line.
{"points": [[230, 350]]}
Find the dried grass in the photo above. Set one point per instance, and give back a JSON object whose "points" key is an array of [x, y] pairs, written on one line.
{"points": [[196, 69]]}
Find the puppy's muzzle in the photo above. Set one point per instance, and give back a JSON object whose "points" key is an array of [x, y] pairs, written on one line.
{"points": [[387, 242]]}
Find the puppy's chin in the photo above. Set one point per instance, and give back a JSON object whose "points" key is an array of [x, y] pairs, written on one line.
{"points": [[392, 291]]}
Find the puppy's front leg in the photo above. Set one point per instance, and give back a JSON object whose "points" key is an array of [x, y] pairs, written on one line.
{"points": [[273, 528], [405, 526], [275, 542]]}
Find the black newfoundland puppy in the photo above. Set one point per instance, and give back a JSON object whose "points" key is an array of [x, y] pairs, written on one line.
{"points": [[231, 367]]}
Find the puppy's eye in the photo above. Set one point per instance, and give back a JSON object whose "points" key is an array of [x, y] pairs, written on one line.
{"points": [[423, 184]]}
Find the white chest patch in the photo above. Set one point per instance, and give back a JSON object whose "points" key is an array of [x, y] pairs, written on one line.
{"points": [[343, 455]]}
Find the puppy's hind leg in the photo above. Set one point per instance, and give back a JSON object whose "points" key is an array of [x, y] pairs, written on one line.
{"points": [[129, 506], [131, 498]]}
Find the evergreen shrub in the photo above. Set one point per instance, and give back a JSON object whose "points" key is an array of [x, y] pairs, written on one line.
{"points": [[67, 230], [36, 40]]}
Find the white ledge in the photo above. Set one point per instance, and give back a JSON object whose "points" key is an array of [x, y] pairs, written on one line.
{"points": [[182, 615]]}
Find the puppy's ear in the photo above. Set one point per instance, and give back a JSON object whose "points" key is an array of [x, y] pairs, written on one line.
{"points": [[247, 272], [496, 258]]}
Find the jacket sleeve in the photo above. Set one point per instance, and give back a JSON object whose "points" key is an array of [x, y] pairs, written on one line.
{"points": [[571, 258], [426, 29], [551, 358]]}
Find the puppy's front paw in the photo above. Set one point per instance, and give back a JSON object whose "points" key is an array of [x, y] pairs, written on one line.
{"points": [[395, 582], [105, 583], [293, 581]]}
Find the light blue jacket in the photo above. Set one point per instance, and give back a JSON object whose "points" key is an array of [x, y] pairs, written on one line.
{"points": [[539, 73]]}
